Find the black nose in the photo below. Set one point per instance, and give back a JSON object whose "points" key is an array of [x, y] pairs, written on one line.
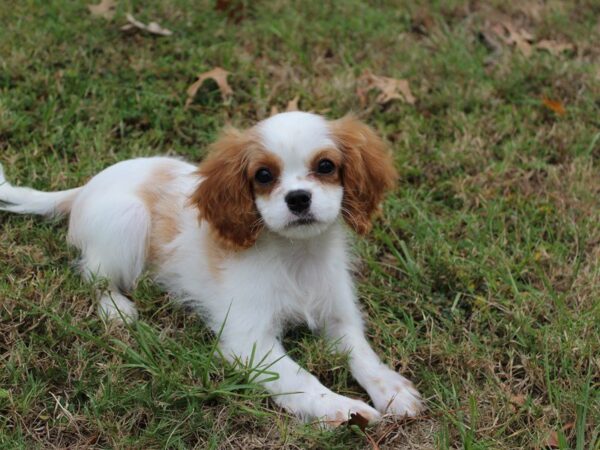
{"points": [[298, 201]]}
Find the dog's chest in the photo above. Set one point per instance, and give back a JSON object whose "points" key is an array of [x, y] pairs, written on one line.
{"points": [[304, 283]]}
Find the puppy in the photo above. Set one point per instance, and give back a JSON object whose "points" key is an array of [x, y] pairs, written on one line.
{"points": [[255, 239]]}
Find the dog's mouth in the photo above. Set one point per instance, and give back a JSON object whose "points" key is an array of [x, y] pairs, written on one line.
{"points": [[300, 221]]}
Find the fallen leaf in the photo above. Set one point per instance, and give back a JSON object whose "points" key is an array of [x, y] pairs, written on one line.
{"points": [[293, 104], [235, 9], [421, 22], [554, 47], [512, 35], [553, 440], [523, 39], [152, 27], [274, 110], [217, 74], [518, 399], [106, 9], [390, 89], [358, 420], [555, 106]]}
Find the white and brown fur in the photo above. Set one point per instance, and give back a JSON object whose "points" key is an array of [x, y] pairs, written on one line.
{"points": [[218, 239]]}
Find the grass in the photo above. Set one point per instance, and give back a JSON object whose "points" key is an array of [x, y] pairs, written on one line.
{"points": [[481, 281]]}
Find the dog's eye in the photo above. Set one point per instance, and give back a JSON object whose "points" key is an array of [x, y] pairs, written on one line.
{"points": [[325, 167], [263, 176]]}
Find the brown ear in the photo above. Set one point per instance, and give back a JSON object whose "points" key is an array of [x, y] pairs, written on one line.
{"points": [[367, 171], [224, 196]]}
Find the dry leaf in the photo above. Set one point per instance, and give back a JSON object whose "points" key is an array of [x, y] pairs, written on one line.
{"points": [[421, 22], [358, 420], [554, 47], [553, 441], [520, 38], [523, 40], [152, 27], [293, 104], [390, 89], [555, 106], [274, 110], [518, 399], [217, 74], [235, 9], [106, 9]]}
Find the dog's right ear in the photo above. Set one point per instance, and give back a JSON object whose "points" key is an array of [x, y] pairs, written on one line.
{"points": [[224, 195]]}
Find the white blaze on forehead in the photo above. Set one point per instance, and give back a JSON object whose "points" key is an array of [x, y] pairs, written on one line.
{"points": [[294, 136]]}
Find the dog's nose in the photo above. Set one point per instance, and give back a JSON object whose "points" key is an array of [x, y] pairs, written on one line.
{"points": [[298, 201]]}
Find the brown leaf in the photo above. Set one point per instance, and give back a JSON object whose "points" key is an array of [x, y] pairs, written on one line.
{"points": [[421, 22], [235, 9], [512, 35], [152, 27], [554, 47], [555, 106], [390, 89], [293, 104], [358, 420], [217, 74], [518, 399], [106, 9], [274, 110], [552, 441]]}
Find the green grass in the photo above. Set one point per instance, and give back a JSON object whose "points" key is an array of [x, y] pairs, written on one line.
{"points": [[481, 281]]}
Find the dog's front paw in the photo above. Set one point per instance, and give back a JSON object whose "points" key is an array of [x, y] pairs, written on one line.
{"points": [[331, 410], [395, 395], [327, 409]]}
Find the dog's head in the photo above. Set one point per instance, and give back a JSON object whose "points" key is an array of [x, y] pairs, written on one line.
{"points": [[294, 174]]}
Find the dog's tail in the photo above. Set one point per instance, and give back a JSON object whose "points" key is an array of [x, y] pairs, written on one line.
{"points": [[22, 200]]}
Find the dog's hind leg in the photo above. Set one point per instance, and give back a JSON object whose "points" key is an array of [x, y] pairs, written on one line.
{"points": [[112, 234]]}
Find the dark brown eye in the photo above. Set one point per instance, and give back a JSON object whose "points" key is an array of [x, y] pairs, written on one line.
{"points": [[325, 167], [263, 176]]}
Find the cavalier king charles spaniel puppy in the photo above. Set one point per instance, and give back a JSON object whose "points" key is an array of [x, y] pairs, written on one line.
{"points": [[255, 239]]}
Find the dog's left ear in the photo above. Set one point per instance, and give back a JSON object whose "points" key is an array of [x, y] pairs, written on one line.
{"points": [[224, 196], [367, 171]]}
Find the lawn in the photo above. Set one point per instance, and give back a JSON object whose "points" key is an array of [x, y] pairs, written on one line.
{"points": [[481, 280]]}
